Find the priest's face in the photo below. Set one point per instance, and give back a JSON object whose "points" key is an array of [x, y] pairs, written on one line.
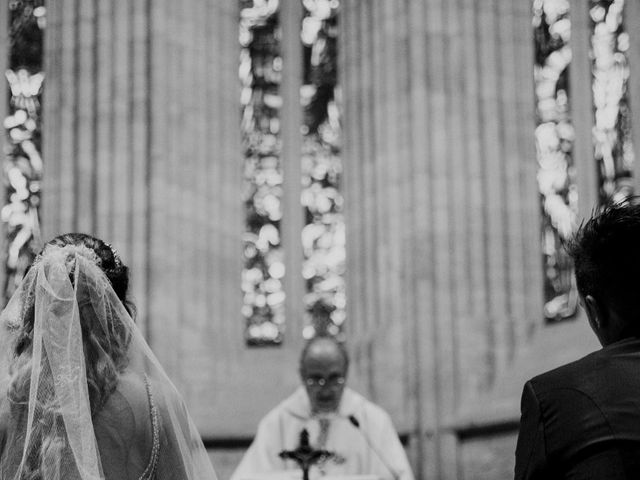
{"points": [[323, 372]]}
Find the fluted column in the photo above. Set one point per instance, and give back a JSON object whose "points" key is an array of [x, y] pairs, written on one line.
{"points": [[142, 148], [632, 27], [443, 252], [581, 98], [96, 110], [4, 62]]}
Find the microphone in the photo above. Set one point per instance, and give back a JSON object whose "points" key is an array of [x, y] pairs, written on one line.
{"points": [[354, 421]]}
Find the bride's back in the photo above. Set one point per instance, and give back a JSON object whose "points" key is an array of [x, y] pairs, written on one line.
{"points": [[125, 432]]}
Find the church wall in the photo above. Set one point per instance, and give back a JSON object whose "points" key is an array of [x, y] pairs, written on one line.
{"points": [[487, 457], [142, 148], [443, 220]]}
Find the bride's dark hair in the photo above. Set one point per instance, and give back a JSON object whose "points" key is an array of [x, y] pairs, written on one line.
{"points": [[105, 346], [109, 261]]}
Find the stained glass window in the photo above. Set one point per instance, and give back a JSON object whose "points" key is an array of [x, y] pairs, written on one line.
{"points": [[611, 134], [23, 163], [260, 76], [611, 131], [323, 236], [554, 138]]}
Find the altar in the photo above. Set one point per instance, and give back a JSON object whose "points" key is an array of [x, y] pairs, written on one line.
{"points": [[314, 475], [311, 465]]}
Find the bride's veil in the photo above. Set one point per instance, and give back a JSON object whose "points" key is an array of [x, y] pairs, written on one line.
{"points": [[79, 384]]}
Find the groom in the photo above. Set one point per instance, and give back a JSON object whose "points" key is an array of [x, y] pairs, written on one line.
{"points": [[358, 433], [582, 420]]}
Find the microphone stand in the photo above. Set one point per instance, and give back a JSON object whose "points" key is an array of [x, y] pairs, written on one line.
{"points": [[354, 421]]}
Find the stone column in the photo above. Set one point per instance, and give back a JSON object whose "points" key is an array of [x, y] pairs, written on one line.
{"points": [[4, 87], [442, 212], [632, 27], [581, 98], [142, 148]]}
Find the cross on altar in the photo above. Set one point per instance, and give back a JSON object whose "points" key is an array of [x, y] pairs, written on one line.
{"points": [[305, 455]]}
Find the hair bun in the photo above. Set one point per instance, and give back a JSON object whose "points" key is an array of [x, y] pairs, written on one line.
{"points": [[67, 254]]}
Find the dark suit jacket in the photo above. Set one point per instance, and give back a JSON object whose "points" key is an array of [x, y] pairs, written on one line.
{"points": [[582, 420]]}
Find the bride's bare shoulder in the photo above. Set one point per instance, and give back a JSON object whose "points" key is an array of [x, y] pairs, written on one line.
{"points": [[133, 388], [127, 408], [123, 429]]}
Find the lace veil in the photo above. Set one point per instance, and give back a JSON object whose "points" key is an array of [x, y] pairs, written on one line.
{"points": [[82, 396]]}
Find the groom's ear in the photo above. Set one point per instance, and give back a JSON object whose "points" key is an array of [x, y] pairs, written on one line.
{"points": [[595, 312], [598, 317]]}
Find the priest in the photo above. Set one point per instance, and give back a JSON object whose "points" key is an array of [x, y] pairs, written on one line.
{"points": [[358, 435]]}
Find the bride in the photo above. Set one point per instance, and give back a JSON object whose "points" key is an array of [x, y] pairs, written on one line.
{"points": [[81, 394]]}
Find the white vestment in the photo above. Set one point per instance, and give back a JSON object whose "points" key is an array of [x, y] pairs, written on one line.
{"points": [[360, 450]]}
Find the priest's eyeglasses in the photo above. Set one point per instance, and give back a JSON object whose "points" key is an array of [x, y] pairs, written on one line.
{"points": [[321, 382]]}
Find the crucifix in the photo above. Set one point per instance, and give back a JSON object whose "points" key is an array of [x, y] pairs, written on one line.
{"points": [[305, 455]]}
